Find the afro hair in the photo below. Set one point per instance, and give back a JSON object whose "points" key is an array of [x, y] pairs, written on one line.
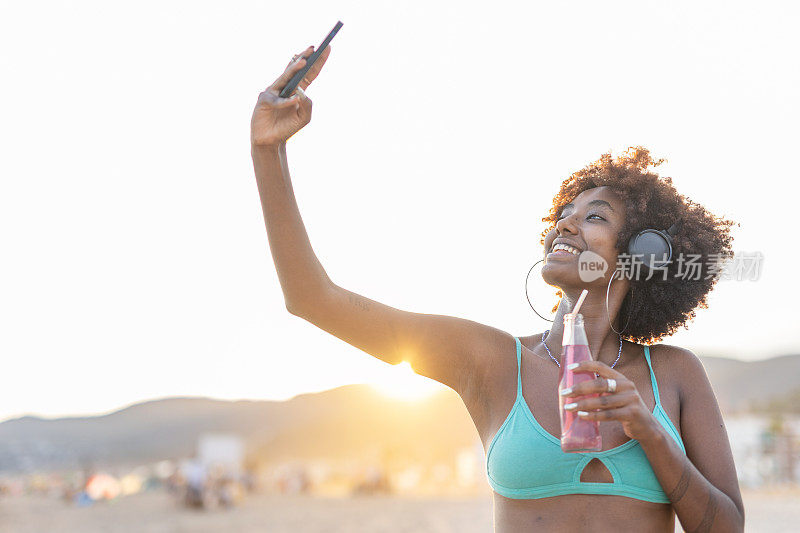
{"points": [[657, 307]]}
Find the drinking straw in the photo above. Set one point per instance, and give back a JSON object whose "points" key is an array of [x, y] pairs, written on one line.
{"points": [[574, 312]]}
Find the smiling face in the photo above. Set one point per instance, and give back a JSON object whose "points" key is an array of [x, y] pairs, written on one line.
{"points": [[590, 223]]}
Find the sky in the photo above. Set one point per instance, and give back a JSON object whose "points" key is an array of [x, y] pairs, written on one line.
{"points": [[135, 259]]}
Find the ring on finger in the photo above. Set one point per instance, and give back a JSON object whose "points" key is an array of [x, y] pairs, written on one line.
{"points": [[611, 384]]}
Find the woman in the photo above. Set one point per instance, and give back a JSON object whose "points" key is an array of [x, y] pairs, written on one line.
{"points": [[665, 448]]}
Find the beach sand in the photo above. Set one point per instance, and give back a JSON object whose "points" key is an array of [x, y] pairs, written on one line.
{"points": [[156, 512]]}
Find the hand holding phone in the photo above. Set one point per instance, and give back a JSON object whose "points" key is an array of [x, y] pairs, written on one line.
{"points": [[277, 117], [295, 80]]}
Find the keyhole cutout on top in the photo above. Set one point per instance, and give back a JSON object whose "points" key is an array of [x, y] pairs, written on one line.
{"points": [[596, 472]]}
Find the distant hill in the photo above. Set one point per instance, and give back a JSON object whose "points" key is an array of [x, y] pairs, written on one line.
{"points": [[348, 421], [739, 384]]}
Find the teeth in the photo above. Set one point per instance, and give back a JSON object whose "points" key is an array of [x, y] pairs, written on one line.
{"points": [[566, 248]]}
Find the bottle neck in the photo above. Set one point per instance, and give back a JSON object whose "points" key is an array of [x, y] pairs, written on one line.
{"points": [[574, 333]]}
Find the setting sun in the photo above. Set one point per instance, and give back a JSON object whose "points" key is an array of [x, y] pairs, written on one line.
{"points": [[399, 381]]}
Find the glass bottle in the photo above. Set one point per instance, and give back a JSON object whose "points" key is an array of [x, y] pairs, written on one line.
{"points": [[577, 434]]}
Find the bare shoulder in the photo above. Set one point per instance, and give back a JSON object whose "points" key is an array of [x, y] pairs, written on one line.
{"points": [[680, 366], [675, 355], [493, 356], [495, 350]]}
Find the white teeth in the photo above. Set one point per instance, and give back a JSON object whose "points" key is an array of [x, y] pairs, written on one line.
{"points": [[566, 248]]}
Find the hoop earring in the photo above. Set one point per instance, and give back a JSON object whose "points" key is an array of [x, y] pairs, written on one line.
{"points": [[608, 314], [526, 291]]}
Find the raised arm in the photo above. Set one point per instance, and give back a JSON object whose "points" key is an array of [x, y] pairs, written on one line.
{"points": [[446, 349]]}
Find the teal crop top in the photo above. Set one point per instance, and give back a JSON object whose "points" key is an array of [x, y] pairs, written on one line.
{"points": [[524, 461]]}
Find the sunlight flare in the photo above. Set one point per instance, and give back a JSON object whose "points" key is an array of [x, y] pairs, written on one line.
{"points": [[401, 382]]}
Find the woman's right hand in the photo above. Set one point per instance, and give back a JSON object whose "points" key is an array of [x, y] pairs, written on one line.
{"points": [[275, 119]]}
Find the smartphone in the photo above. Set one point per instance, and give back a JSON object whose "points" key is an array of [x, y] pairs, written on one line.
{"points": [[292, 85]]}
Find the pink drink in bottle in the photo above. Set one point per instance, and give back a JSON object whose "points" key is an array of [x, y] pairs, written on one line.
{"points": [[577, 434]]}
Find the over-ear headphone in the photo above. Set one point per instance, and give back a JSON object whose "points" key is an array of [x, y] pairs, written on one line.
{"points": [[653, 247]]}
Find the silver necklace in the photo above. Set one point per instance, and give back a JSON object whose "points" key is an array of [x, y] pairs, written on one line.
{"points": [[559, 364]]}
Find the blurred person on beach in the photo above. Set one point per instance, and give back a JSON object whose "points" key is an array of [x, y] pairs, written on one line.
{"points": [[597, 209], [196, 477]]}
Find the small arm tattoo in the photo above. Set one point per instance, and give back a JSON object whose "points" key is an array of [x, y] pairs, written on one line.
{"points": [[708, 517], [359, 301], [677, 493]]}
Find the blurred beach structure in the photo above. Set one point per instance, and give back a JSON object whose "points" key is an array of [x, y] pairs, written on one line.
{"points": [[345, 459]]}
